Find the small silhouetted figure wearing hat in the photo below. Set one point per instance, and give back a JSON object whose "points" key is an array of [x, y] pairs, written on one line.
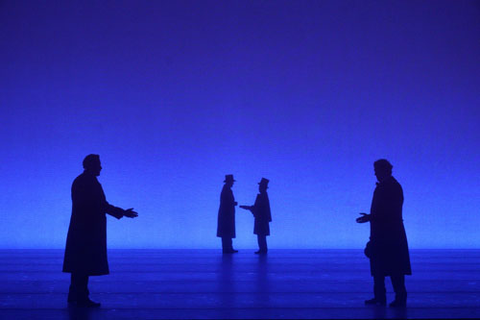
{"points": [[226, 215], [86, 248], [388, 247], [263, 216]]}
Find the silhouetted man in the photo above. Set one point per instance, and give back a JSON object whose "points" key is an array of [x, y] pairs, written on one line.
{"points": [[263, 216], [226, 215], [86, 248], [388, 247]]}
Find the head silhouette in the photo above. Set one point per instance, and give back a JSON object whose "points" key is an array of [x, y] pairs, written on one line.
{"points": [[229, 180], [91, 164], [383, 169], [263, 185]]}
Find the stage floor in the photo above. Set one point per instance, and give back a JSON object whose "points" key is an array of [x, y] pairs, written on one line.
{"points": [[199, 284]]}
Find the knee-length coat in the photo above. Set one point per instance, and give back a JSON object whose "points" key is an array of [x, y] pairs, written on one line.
{"points": [[226, 214], [263, 215], [388, 241], [86, 247]]}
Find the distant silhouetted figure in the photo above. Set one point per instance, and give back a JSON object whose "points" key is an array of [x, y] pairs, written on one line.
{"points": [[86, 248], [388, 247], [226, 215], [263, 216]]}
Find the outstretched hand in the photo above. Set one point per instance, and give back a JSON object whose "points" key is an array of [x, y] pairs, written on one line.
{"points": [[246, 207], [364, 218], [130, 213]]}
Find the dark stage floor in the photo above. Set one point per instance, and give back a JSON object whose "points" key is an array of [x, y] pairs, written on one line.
{"points": [[154, 284]]}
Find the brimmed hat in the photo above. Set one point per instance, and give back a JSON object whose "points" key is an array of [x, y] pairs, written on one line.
{"points": [[229, 178], [264, 182]]}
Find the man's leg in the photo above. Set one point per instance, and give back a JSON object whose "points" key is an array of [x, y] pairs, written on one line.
{"points": [[398, 283], [262, 243], [379, 291], [227, 245], [72, 290], [78, 287], [79, 293]]}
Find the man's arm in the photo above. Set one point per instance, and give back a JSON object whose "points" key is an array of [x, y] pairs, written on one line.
{"points": [[119, 212], [250, 208], [364, 218]]}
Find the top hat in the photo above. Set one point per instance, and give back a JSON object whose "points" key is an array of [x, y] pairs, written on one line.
{"points": [[264, 182], [229, 178]]}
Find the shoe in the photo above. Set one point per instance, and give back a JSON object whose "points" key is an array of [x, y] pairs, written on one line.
{"points": [[73, 295], [261, 252], [88, 304], [398, 304], [375, 301], [230, 251]]}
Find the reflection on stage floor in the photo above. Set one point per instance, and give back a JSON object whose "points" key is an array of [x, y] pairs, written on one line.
{"points": [[193, 284]]}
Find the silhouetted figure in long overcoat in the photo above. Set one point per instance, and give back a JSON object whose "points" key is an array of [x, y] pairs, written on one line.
{"points": [[388, 247], [226, 215], [86, 248], [263, 216]]}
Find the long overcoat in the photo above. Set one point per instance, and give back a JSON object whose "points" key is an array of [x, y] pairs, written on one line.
{"points": [[388, 240], [262, 214], [226, 214], [86, 248]]}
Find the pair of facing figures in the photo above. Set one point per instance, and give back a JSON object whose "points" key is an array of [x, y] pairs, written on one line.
{"points": [[226, 216]]}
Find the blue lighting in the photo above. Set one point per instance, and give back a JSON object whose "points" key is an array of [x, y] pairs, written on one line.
{"points": [[173, 95]]}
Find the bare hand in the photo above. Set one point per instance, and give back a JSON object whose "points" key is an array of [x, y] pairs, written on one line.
{"points": [[246, 207], [364, 218], [129, 213]]}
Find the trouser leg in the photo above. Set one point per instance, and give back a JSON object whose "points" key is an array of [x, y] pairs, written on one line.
{"points": [[72, 290], [398, 283], [78, 287], [227, 244], [262, 242], [379, 290]]}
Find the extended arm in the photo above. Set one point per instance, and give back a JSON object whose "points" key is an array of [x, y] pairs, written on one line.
{"points": [[364, 218], [129, 213], [250, 208], [119, 212]]}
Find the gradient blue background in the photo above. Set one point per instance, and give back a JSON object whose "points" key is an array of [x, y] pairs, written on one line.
{"points": [[173, 95]]}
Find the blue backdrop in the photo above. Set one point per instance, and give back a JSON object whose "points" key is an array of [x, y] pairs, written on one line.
{"points": [[173, 95]]}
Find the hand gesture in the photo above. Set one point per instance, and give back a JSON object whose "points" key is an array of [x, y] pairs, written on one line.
{"points": [[364, 218], [129, 213]]}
